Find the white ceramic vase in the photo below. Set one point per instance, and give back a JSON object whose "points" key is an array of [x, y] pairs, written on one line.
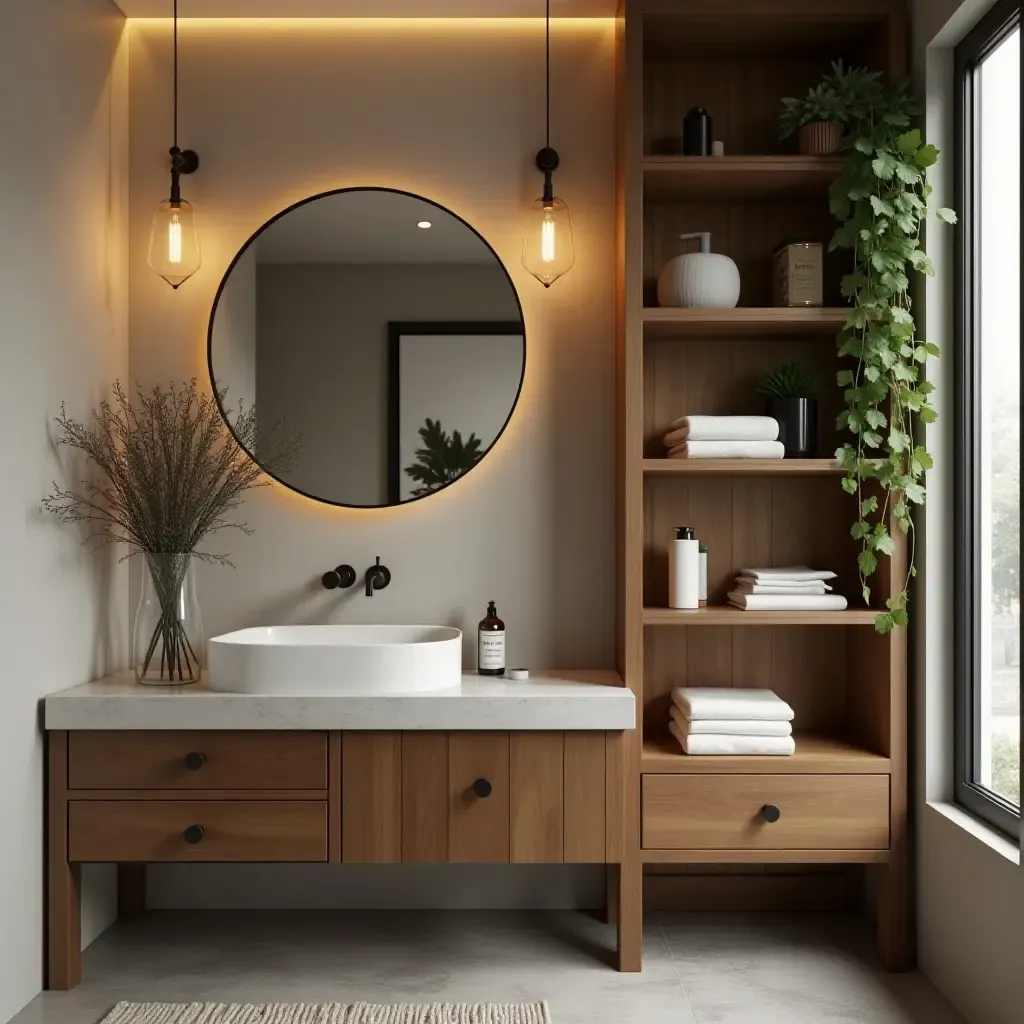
{"points": [[705, 279]]}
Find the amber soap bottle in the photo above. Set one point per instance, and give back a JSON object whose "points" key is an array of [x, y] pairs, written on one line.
{"points": [[491, 643]]}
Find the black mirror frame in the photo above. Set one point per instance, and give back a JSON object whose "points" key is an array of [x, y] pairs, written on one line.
{"points": [[241, 252]]}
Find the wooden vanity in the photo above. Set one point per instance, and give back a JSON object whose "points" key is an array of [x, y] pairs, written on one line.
{"points": [[135, 796]]}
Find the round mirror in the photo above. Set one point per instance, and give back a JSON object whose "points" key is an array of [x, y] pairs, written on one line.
{"points": [[379, 334]]}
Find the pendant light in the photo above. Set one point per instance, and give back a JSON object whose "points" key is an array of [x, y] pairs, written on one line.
{"points": [[547, 248], [173, 239]]}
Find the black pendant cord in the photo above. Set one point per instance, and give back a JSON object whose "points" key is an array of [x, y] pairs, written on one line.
{"points": [[182, 161], [547, 158]]}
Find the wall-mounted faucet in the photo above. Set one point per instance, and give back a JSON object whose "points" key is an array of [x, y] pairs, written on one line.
{"points": [[377, 577]]}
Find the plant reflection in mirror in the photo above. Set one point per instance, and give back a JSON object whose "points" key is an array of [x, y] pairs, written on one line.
{"points": [[442, 459], [170, 475]]}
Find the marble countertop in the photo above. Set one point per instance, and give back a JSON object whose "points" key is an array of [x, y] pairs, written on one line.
{"points": [[557, 700]]}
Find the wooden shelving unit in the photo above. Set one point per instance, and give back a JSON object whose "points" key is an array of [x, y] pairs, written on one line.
{"points": [[845, 682], [737, 179], [726, 615], [741, 467], [743, 322]]}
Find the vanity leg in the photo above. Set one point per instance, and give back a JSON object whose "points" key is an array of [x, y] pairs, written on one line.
{"points": [[63, 880], [894, 939], [630, 916], [611, 892], [131, 891]]}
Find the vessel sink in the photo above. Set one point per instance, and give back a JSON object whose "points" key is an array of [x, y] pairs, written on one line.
{"points": [[317, 660]]}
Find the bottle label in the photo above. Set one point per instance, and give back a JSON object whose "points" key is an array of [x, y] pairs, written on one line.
{"points": [[492, 650]]}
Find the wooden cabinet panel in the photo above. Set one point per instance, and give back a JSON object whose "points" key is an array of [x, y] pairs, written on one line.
{"points": [[220, 830], [197, 760], [584, 798], [478, 826], [535, 795], [371, 797], [424, 797], [816, 812]]}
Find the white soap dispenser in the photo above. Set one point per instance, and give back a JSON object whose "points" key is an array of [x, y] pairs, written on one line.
{"points": [[705, 279], [684, 569]]}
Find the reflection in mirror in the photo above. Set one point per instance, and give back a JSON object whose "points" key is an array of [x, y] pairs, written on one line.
{"points": [[381, 330]]}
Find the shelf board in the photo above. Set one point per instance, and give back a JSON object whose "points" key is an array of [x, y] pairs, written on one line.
{"points": [[737, 179], [740, 467], [726, 615], [815, 755], [743, 322]]}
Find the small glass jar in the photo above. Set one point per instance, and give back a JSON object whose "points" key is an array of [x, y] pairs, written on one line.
{"points": [[167, 635]]}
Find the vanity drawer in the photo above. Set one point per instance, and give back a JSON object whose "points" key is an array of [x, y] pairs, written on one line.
{"points": [[724, 812], [197, 760], [197, 830]]}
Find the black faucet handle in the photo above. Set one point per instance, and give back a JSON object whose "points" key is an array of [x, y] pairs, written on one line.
{"points": [[377, 577], [343, 576]]}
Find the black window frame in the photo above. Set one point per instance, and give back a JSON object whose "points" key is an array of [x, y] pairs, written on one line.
{"points": [[992, 29]]}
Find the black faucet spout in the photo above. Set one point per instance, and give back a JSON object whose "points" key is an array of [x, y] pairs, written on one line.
{"points": [[377, 577]]}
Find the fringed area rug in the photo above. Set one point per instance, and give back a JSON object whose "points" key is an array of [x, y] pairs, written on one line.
{"points": [[328, 1013]]}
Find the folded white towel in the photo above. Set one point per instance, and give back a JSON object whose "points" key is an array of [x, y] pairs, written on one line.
{"points": [[728, 727], [728, 450], [722, 428], [787, 602], [707, 743], [752, 584], [790, 573], [700, 703], [774, 588]]}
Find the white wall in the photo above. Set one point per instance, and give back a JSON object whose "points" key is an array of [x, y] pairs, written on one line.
{"points": [[63, 305], [453, 110], [970, 886]]}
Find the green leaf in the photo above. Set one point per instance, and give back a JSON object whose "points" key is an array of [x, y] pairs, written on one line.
{"points": [[907, 173], [946, 215], [909, 142], [849, 485], [922, 456], [869, 505], [844, 377], [884, 623], [871, 439], [867, 562], [900, 316], [915, 493], [898, 440], [865, 592], [926, 156], [899, 617], [884, 165], [881, 207], [928, 415], [875, 417], [859, 530], [885, 544], [864, 145]]}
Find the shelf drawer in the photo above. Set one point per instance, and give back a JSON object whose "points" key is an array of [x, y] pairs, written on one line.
{"points": [[197, 760], [219, 830], [724, 812]]}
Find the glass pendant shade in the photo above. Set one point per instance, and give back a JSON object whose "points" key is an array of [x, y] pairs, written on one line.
{"points": [[174, 242], [547, 248]]}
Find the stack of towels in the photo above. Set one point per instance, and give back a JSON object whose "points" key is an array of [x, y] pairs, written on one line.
{"points": [[792, 588], [713, 720], [724, 437]]}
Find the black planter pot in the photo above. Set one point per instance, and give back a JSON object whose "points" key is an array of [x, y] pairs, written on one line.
{"points": [[798, 425]]}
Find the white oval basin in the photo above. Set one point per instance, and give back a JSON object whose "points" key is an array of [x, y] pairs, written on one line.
{"points": [[336, 659]]}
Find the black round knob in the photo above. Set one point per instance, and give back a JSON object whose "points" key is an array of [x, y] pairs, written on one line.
{"points": [[194, 834], [770, 813], [483, 788], [343, 576], [194, 761], [330, 580]]}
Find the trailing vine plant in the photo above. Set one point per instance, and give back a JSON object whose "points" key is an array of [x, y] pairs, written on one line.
{"points": [[882, 203]]}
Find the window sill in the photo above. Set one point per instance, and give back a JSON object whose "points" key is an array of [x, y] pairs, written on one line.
{"points": [[995, 841]]}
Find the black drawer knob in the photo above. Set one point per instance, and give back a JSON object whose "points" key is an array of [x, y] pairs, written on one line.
{"points": [[771, 813], [194, 834], [194, 761], [483, 788]]}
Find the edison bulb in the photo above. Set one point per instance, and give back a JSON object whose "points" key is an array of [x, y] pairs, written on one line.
{"points": [[547, 248], [174, 242]]}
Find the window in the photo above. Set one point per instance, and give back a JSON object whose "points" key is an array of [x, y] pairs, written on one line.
{"points": [[987, 474]]}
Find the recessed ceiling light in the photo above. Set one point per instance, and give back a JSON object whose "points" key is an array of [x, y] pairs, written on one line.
{"points": [[424, 224]]}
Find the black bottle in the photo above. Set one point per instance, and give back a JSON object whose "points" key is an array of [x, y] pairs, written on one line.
{"points": [[697, 132], [491, 644]]}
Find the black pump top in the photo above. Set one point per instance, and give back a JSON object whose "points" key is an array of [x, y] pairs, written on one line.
{"points": [[492, 612], [684, 533]]}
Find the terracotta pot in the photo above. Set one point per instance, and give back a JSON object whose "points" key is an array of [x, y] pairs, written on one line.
{"points": [[820, 138]]}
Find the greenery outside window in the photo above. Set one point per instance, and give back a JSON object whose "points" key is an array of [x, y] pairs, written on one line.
{"points": [[987, 429]]}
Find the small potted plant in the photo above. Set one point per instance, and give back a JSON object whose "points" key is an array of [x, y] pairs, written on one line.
{"points": [[792, 393], [818, 119]]}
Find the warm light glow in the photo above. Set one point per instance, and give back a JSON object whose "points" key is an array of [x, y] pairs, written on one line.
{"points": [[547, 239], [424, 224], [174, 239], [547, 248], [174, 242]]}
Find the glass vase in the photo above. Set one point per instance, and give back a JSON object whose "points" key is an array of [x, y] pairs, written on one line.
{"points": [[167, 635]]}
